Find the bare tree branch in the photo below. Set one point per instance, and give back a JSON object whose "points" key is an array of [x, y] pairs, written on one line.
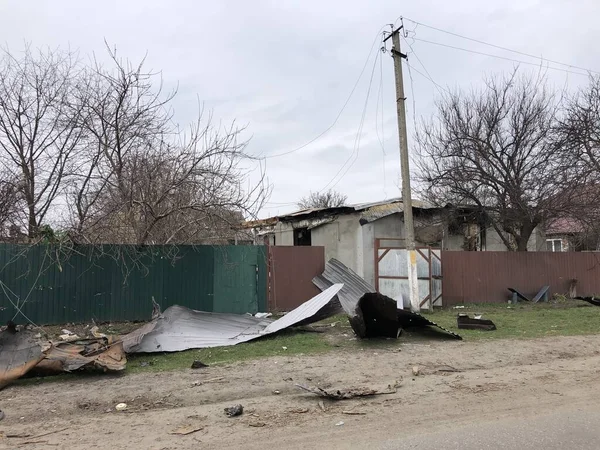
{"points": [[328, 199]]}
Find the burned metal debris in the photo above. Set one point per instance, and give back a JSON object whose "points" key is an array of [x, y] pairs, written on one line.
{"points": [[344, 394], [370, 314], [591, 300], [98, 354], [23, 352], [20, 351], [465, 322]]}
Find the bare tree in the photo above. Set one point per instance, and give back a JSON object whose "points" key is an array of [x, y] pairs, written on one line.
{"points": [[579, 127], [144, 179], [495, 149], [578, 133], [39, 127], [328, 199]]}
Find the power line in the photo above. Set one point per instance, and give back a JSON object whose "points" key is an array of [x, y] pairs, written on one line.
{"points": [[501, 48], [496, 56], [354, 155], [412, 51], [427, 77], [341, 110]]}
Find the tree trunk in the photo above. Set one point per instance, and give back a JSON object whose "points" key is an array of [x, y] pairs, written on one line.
{"points": [[524, 236]]}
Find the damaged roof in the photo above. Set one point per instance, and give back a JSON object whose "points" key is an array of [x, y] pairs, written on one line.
{"points": [[369, 212]]}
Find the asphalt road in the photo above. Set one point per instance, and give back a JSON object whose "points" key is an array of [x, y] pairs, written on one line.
{"points": [[577, 429]]}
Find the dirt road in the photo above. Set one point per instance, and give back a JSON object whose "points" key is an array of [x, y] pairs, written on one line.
{"points": [[479, 386]]}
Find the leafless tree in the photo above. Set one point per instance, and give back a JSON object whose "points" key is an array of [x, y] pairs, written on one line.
{"points": [[328, 199], [579, 126], [495, 149], [144, 179], [39, 126], [578, 132]]}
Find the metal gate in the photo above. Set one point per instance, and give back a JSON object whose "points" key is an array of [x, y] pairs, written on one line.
{"points": [[391, 272]]}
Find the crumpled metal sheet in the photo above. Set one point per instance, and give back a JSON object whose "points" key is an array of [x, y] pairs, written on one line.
{"points": [[100, 354], [370, 314], [20, 351], [179, 328], [354, 286], [312, 311]]}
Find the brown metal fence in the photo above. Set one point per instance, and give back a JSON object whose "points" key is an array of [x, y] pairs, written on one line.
{"points": [[291, 270], [484, 277]]}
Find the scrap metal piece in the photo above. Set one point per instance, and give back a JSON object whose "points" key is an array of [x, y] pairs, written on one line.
{"points": [[344, 394], [354, 286], [378, 307], [409, 319], [591, 300], [376, 315], [543, 292], [308, 312], [20, 351], [89, 354], [465, 322], [179, 328]]}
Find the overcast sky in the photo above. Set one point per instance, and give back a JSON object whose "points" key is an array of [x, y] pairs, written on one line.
{"points": [[285, 68]]}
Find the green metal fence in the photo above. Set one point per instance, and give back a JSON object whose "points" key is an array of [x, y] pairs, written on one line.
{"points": [[52, 286]]}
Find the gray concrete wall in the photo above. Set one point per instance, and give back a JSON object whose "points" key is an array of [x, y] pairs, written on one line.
{"points": [[537, 242], [493, 241], [388, 227], [284, 234], [341, 241], [453, 242]]}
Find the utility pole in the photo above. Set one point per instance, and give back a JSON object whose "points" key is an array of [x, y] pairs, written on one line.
{"points": [[409, 231]]}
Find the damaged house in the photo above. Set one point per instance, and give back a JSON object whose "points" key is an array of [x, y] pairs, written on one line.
{"points": [[355, 234]]}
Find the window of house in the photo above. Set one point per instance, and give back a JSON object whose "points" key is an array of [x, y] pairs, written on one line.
{"points": [[302, 236], [554, 245]]}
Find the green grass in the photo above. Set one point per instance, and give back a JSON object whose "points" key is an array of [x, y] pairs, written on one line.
{"points": [[525, 321], [522, 321], [295, 343]]}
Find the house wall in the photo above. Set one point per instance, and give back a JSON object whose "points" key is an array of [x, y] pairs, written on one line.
{"points": [[493, 241], [341, 240], [453, 241], [537, 242], [284, 234]]}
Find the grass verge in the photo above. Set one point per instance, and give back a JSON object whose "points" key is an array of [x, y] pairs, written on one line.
{"points": [[522, 321], [286, 343]]}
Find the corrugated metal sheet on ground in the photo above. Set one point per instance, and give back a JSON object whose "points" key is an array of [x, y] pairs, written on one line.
{"points": [[180, 328]]}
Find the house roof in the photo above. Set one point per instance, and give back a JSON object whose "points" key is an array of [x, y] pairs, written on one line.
{"points": [[369, 212], [565, 225]]}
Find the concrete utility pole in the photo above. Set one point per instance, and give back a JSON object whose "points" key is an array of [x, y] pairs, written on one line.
{"points": [[409, 231]]}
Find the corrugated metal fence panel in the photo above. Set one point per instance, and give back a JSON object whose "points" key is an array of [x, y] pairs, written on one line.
{"points": [[484, 277], [291, 272], [237, 286], [88, 286]]}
